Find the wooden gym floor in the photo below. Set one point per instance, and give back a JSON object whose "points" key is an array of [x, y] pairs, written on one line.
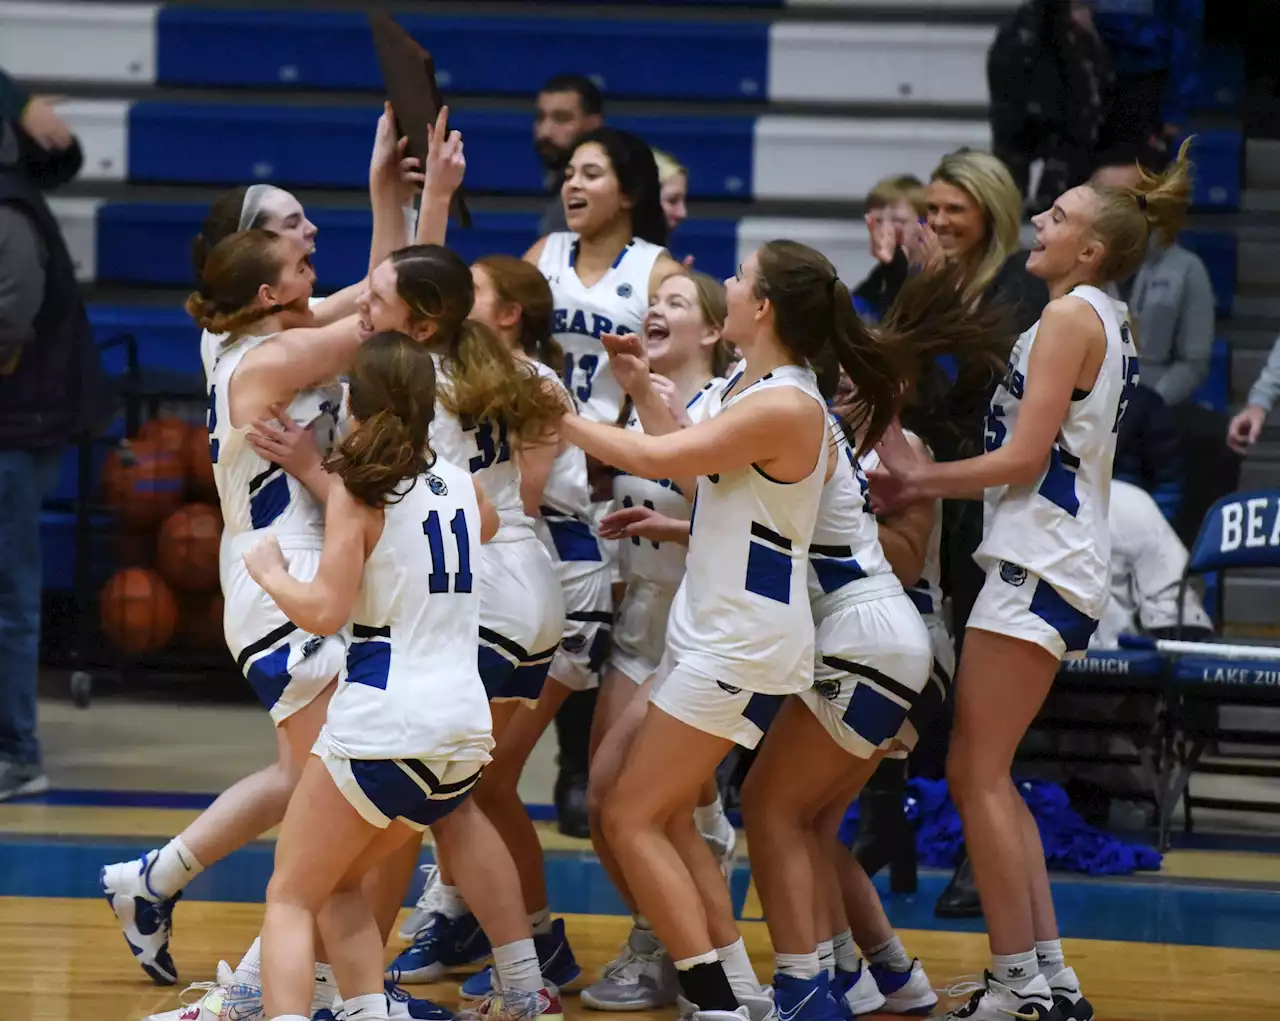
{"points": [[1197, 941]]}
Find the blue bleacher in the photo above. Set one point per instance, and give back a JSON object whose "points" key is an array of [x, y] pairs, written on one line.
{"points": [[244, 142], [497, 55]]}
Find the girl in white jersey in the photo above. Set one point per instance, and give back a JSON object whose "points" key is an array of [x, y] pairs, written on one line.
{"points": [[1050, 438], [740, 636], [409, 730]]}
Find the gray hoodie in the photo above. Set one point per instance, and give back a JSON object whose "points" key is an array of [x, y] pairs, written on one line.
{"points": [[1171, 301], [1267, 388]]}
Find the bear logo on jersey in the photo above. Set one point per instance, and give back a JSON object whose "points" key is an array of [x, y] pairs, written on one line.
{"points": [[624, 290], [437, 485], [1012, 574], [729, 688], [827, 688], [312, 646], [574, 643]]}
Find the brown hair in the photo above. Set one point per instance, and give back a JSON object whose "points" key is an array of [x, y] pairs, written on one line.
{"points": [[815, 320], [485, 381], [222, 221], [393, 397], [1127, 218], [889, 191], [238, 265], [521, 283]]}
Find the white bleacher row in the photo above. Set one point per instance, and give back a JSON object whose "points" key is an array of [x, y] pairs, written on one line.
{"points": [[807, 62], [809, 158]]}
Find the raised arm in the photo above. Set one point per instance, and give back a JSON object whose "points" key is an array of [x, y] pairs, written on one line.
{"points": [[446, 167], [322, 605]]}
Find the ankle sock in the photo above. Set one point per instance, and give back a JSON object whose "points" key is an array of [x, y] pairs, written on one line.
{"points": [[846, 951], [1049, 957], [451, 903], [890, 954], [540, 922], [711, 821], [326, 989], [798, 965], [1015, 970], [704, 983], [370, 1007], [737, 969], [827, 957], [172, 869], [517, 966], [251, 962]]}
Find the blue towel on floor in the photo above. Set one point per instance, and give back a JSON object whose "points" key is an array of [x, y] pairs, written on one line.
{"points": [[1070, 844]]}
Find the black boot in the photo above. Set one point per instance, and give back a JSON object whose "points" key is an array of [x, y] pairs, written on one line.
{"points": [[885, 837], [573, 730], [960, 898]]}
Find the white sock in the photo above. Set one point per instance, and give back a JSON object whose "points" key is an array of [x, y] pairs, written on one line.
{"points": [[891, 954], [173, 868], [541, 922], [640, 922], [827, 957], [251, 962], [712, 822], [291, 1017], [846, 951], [326, 989], [1015, 970], [1050, 958], [738, 970], [798, 965], [374, 1006], [517, 965], [451, 903]]}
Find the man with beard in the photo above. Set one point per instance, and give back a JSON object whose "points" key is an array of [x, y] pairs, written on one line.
{"points": [[568, 106]]}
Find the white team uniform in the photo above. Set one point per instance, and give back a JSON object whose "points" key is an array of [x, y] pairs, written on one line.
{"points": [[740, 635], [652, 570], [521, 608], [286, 667], [1147, 563], [1047, 545], [926, 594], [211, 344], [408, 730], [616, 303], [872, 651], [567, 529]]}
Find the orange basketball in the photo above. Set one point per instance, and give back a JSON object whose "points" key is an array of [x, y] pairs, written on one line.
{"points": [[187, 553], [143, 482], [200, 622], [199, 467], [138, 611], [167, 432]]}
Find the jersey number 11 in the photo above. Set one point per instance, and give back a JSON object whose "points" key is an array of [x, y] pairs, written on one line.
{"points": [[438, 579]]}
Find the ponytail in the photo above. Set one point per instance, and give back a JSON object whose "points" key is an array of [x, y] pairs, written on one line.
{"points": [[392, 395], [232, 274]]}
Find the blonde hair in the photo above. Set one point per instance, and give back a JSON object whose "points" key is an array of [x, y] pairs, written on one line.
{"points": [[889, 191], [1128, 217], [668, 167], [987, 181], [714, 310]]}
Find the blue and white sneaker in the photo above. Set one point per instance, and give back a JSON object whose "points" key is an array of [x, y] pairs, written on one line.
{"points": [[145, 918], [231, 998], [555, 961], [403, 1007], [905, 992], [441, 945], [805, 999]]}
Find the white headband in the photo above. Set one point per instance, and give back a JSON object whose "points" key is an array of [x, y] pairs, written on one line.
{"points": [[254, 196]]}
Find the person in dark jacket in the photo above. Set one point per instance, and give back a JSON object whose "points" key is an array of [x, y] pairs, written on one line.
{"points": [[52, 391], [568, 105]]}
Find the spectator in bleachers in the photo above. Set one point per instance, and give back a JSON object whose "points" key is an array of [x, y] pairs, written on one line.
{"points": [[569, 105], [893, 205], [673, 179], [1170, 297], [1246, 428], [52, 393], [1149, 451], [1154, 47]]}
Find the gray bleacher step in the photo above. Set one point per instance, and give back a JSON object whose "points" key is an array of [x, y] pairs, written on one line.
{"points": [[1246, 364], [1252, 598], [1256, 333], [1261, 302], [1262, 163], [1260, 200], [1257, 262]]}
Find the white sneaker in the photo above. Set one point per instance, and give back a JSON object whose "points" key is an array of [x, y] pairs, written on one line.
{"points": [[642, 977], [859, 990], [723, 848], [758, 1008], [997, 1002], [905, 992], [426, 906], [230, 998], [1067, 997], [145, 918]]}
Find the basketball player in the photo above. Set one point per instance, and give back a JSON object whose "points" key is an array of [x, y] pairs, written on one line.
{"points": [[255, 289], [683, 342], [740, 636], [1050, 439], [409, 731]]}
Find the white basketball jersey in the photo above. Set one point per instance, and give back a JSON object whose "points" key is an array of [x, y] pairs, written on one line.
{"points": [[846, 538], [927, 592], [567, 527], [411, 687], [616, 303], [257, 494], [1056, 527], [742, 612], [484, 449], [660, 563], [211, 345]]}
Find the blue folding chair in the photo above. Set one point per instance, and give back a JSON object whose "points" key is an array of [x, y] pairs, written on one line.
{"points": [[1240, 531]]}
